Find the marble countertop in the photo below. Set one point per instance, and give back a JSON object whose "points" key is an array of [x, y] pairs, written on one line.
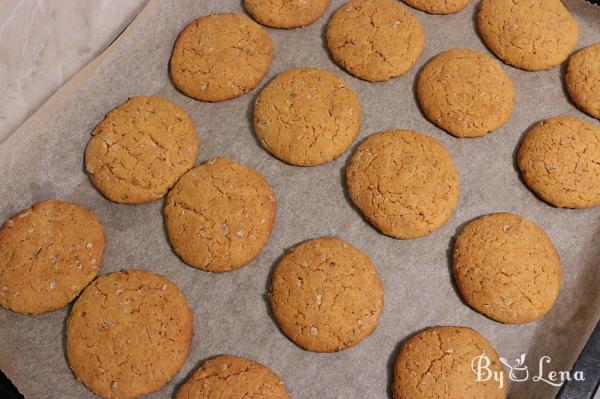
{"points": [[45, 42]]}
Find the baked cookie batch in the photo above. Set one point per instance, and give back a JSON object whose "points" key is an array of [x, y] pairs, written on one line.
{"points": [[129, 332]]}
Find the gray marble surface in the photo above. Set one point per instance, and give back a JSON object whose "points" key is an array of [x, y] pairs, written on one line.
{"points": [[45, 42]]}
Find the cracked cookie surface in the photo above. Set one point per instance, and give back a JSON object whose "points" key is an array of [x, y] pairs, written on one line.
{"points": [[220, 215], [286, 13], [438, 6], [307, 116], [140, 149], [220, 57], [404, 182], [560, 161], [231, 377], [583, 79], [375, 40], [506, 268], [437, 363], [48, 254], [128, 334], [326, 295], [465, 93], [528, 34]]}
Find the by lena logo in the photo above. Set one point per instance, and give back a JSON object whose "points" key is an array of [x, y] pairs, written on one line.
{"points": [[519, 372]]}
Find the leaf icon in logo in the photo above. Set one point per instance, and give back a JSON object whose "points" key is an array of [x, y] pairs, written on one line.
{"points": [[519, 372]]}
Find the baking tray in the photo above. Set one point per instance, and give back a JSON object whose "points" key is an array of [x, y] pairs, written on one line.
{"points": [[43, 159]]}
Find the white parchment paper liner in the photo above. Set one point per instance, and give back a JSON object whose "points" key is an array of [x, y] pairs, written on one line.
{"points": [[43, 159]]}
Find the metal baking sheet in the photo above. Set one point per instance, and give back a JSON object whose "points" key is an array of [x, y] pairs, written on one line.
{"points": [[44, 159]]}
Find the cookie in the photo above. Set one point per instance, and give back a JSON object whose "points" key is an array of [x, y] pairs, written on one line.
{"points": [[438, 363], [220, 215], [48, 254], [375, 40], [128, 334], [528, 34], [560, 161], [307, 116], [506, 268], [220, 57], [438, 6], [465, 93], [404, 182], [334, 288], [231, 377], [286, 13], [140, 149], [583, 79]]}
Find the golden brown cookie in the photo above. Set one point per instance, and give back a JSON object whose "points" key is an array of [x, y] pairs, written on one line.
{"points": [[128, 334], [307, 116], [465, 92], [560, 161], [48, 254], [286, 13], [506, 267], [583, 79], [439, 362], [221, 56], [438, 6], [326, 295], [231, 377], [219, 215], [404, 182], [375, 40], [529, 34], [140, 149]]}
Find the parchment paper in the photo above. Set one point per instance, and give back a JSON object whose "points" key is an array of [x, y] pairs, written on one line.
{"points": [[44, 159]]}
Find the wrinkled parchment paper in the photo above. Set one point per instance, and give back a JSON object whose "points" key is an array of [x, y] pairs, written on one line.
{"points": [[44, 159]]}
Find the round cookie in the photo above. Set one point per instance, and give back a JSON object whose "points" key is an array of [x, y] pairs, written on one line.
{"points": [[375, 40], [286, 13], [48, 254], [506, 267], [220, 57], [334, 288], [465, 93], [583, 79], [220, 215], [128, 334], [231, 377], [438, 363], [528, 34], [307, 116], [438, 6], [404, 182], [140, 149], [560, 161]]}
